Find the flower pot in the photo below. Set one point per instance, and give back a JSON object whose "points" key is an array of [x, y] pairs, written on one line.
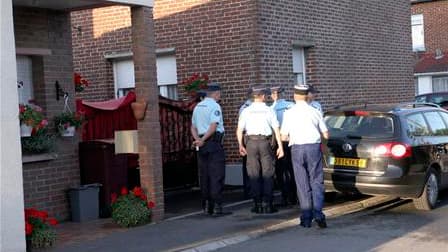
{"points": [[139, 109], [25, 130], [69, 131]]}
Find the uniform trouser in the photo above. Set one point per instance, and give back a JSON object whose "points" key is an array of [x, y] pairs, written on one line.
{"points": [[260, 169], [284, 175], [308, 171], [211, 162]]}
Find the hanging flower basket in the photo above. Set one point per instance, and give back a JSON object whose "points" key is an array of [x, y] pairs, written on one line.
{"points": [[68, 132], [25, 130]]}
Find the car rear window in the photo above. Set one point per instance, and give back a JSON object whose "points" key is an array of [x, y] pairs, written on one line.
{"points": [[351, 124]]}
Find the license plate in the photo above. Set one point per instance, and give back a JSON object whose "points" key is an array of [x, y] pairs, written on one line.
{"points": [[352, 162]]}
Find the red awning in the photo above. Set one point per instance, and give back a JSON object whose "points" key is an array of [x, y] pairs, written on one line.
{"points": [[105, 117]]}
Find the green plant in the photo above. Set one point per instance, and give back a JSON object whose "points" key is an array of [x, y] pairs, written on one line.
{"points": [[131, 208], [40, 141], [38, 228], [68, 119], [195, 83], [31, 115]]}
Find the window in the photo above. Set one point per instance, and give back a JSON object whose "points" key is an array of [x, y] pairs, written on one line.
{"points": [[167, 76], [418, 33], [123, 76], [417, 125], [435, 121], [298, 65], [25, 78], [440, 84]]}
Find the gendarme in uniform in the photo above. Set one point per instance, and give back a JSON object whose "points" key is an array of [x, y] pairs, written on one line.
{"points": [[304, 125], [260, 124], [208, 130], [284, 174]]}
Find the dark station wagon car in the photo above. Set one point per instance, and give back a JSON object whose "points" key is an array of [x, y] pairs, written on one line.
{"points": [[399, 150], [439, 98]]}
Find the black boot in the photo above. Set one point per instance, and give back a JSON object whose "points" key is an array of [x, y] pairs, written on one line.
{"points": [[210, 207], [257, 207], [269, 208]]}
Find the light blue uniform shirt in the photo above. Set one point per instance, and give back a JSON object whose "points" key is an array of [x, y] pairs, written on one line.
{"points": [[303, 124], [246, 104], [279, 107], [205, 113], [258, 119], [317, 106]]}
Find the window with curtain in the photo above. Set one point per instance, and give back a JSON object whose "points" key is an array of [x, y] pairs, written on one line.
{"points": [[440, 84], [418, 33], [298, 65], [25, 78], [123, 76], [167, 76]]}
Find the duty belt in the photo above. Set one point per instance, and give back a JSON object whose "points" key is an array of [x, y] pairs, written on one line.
{"points": [[216, 137], [259, 137]]}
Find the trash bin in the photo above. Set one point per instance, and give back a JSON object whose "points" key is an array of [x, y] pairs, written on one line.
{"points": [[84, 202]]}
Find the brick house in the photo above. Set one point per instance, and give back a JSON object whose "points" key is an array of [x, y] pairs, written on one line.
{"points": [[350, 50], [430, 45], [37, 36]]}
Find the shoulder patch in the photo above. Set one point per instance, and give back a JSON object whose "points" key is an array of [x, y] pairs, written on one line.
{"points": [[217, 113]]}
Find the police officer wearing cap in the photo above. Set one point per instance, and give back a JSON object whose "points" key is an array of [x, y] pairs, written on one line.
{"points": [[284, 173], [260, 123], [304, 126], [208, 130]]}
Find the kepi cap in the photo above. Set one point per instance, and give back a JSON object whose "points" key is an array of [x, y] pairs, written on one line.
{"points": [[213, 87], [260, 90], [277, 89], [301, 89], [313, 90]]}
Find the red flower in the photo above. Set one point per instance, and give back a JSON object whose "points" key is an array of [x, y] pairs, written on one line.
{"points": [[138, 191], [53, 221], [113, 198], [43, 215], [124, 191], [22, 108], [143, 197], [28, 228], [151, 204]]}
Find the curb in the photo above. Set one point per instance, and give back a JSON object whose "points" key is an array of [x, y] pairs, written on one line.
{"points": [[224, 241]]}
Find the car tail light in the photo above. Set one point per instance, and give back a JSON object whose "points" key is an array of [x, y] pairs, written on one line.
{"points": [[395, 150]]}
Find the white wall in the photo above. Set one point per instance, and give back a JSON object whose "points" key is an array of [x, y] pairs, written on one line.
{"points": [[424, 84], [12, 224]]}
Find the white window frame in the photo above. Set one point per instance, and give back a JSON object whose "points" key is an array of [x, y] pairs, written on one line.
{"points": [[299, 64], [418, 33], [167, 75], [121, 89]]}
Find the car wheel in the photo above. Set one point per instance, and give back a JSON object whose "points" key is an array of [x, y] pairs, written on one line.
{"points": [[428, 199]]}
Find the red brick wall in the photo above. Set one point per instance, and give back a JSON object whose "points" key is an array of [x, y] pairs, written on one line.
{"points": [[99, 31], [217, 38], [435, 21], [46, 182], [361, 50]]}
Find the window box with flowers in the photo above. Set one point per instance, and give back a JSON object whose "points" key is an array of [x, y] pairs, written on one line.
{"points": [[195, 83], [67, 122], [36, 138], [80, 82], [39, 229], [131, 208]]}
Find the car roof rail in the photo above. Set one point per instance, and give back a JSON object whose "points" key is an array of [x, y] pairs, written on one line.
{"points": [[364, 103], [416, 104]]}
